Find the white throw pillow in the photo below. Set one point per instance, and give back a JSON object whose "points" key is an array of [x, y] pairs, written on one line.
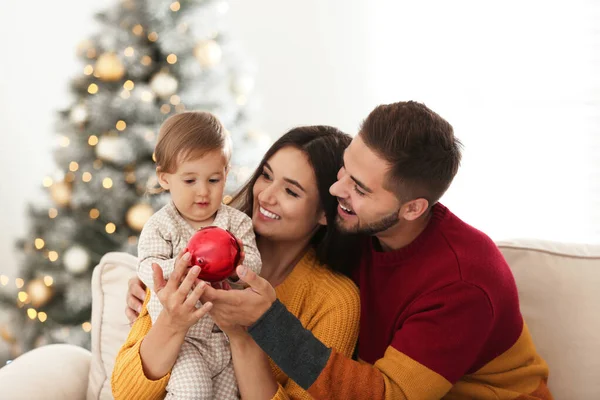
{"points": [[110, 326]]}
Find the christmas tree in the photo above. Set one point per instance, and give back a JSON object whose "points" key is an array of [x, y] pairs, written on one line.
{"points": [[149, 59]]}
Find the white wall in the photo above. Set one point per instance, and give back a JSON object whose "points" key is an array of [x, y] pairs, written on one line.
{"points": [[519, 84], [331, 62]]}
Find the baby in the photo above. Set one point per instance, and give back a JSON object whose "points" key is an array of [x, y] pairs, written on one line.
{"points": [[192, 157]]}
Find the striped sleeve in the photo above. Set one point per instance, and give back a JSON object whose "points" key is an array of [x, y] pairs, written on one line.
{"points": [[128, 380], [433, 349], [336, 325]]}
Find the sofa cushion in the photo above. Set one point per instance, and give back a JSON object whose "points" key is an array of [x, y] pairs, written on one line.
{"points": [[55, 371], [109, 323], [559, 292]]}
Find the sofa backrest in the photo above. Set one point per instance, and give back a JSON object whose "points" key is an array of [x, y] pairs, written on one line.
{"points": [[559, 293]]}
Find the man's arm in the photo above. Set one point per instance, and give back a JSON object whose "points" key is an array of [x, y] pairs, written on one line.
{"points": [[433, 349]]}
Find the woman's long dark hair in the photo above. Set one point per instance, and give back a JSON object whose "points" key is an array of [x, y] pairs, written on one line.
{"points": [[324, 147]]}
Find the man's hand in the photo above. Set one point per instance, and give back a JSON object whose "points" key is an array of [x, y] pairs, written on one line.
{"points": [[240, 307], [136, 293]]}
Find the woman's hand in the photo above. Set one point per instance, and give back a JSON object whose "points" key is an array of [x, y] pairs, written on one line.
{"points": [[179, 305]]}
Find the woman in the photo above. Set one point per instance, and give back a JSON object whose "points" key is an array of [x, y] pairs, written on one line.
{"points": [[303, 256]]}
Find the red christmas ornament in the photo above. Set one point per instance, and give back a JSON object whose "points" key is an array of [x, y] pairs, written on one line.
{"points": [[216, 251]]}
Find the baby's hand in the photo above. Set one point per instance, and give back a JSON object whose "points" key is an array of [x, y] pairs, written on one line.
{"points": [[242, 254]]}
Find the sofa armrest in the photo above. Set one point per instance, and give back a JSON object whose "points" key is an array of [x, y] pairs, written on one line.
{"points": [[56, 371]]}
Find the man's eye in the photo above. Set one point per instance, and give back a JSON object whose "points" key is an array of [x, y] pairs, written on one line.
{"points": [[357, 190]]}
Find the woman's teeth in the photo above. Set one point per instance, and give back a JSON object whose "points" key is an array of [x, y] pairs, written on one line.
{"points": [[268, 214]]}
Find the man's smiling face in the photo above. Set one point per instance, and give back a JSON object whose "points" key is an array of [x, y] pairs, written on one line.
{"points": [[365, 206]]}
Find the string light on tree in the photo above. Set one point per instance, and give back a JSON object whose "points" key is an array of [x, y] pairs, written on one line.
{"points": [[94, 213], [92, 88], [52, 256], [39, 243], [172, 58], [110, 228], [138, 30]]}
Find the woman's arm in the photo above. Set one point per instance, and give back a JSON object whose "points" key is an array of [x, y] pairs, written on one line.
{"points": [[252, 369], [128, 379], [143, 363]]}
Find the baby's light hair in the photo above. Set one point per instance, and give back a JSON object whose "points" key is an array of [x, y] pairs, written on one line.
{"points": [[187, 136]]}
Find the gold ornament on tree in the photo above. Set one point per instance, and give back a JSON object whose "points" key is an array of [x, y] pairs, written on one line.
{"points": [[38, 292], [60, 192], [208, 53], [138, 214], [109, 67]]}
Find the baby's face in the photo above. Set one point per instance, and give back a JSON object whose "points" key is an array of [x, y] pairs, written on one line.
{"points": [[197, 187]]}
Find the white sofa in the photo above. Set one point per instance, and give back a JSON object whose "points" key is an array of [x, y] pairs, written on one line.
{"points": [[559, 288]]}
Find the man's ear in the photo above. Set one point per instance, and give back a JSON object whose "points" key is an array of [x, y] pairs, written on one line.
{"points": [[413, 209], [163, 178]]}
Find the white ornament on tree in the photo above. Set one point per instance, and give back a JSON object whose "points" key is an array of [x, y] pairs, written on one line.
{"points": [[114, 149], [164, 84], [79, 114], [76, 260], [208, 53]]}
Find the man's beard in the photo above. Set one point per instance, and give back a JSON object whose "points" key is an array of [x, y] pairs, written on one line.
{"points": [[372, 228]]}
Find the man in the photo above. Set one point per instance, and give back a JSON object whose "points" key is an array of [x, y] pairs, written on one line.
{"points": [[439, 307]]}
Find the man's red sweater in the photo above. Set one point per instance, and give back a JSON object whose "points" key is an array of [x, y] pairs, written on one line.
{"points": [[439, 317]]}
